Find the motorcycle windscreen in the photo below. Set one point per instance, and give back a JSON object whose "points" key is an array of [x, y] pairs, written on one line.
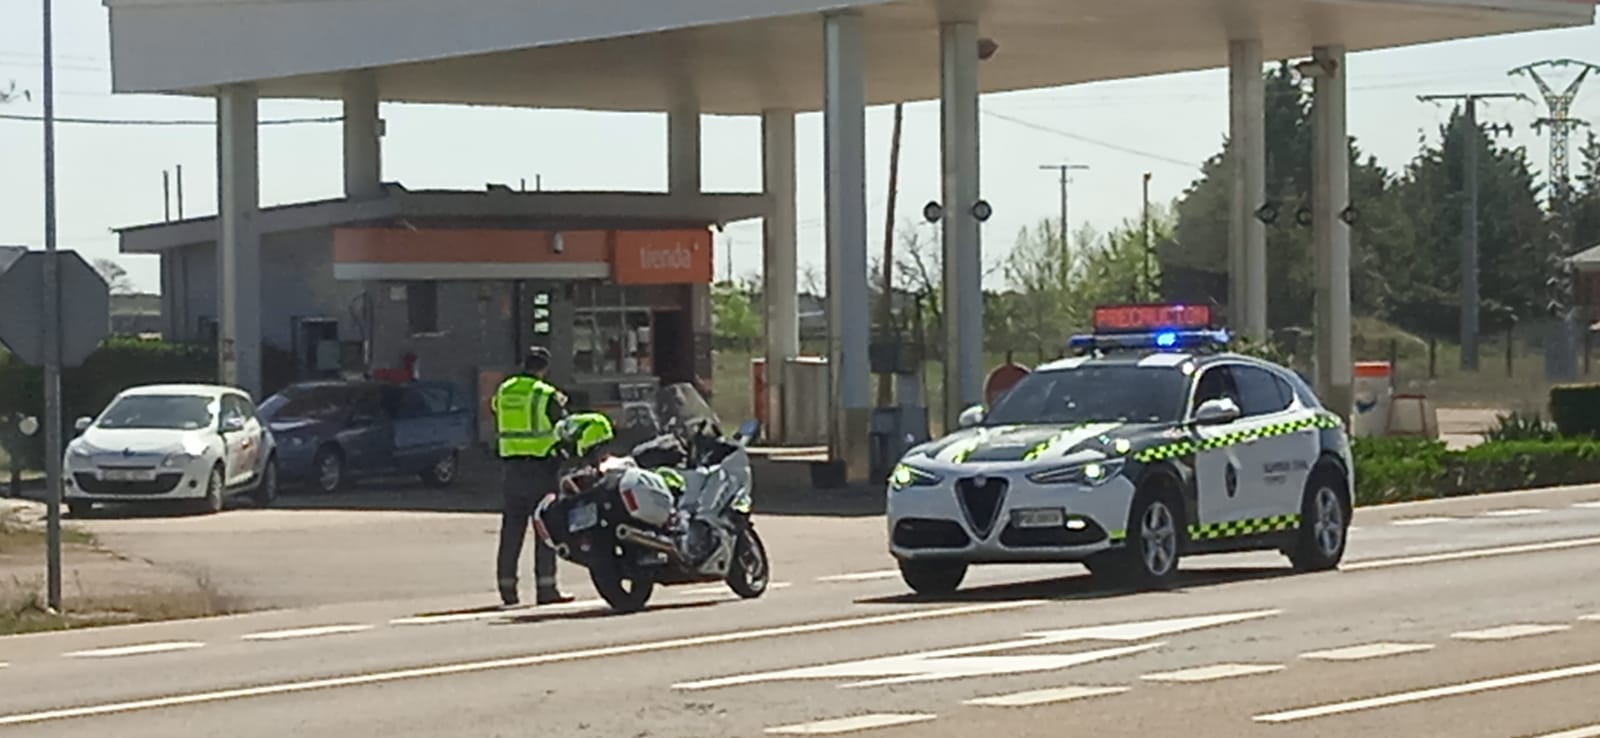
{"points": [[683, 404]]}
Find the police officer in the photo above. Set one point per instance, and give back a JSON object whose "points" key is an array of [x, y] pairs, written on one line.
{"points": [[526, 409]]}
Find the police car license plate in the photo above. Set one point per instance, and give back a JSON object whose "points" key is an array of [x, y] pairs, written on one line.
{"points": [[127, 475], [1043, 518], [582, 517]]}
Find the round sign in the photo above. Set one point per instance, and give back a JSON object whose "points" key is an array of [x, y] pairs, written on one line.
{"points": [[982, 210], [29, 425], [1003, 378], [933, 212]]}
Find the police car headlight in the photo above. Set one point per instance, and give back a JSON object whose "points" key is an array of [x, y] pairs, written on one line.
{"points": [[1091, 473], [905, 476]]}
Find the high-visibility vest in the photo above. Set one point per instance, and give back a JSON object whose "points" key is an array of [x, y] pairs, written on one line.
{"points": [[522, 419]]}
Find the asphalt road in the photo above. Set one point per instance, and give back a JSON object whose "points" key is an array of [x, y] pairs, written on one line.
{"points": [[1469, 618]]}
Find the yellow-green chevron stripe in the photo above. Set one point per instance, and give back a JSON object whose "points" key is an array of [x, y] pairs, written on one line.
{"points": [[1247, 527], [1191, 446]]}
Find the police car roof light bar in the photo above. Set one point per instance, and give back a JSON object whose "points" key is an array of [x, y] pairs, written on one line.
{"points": [[1153, 341]]}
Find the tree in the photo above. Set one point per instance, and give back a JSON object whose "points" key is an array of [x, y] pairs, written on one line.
{"points": [[115, 276], [733, 312]]}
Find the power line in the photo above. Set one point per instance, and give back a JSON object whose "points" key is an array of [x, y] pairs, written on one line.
{"points": [[1095, 142], [160, 122]]}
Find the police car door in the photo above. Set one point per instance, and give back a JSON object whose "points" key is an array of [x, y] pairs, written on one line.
{"points": [[1217, 464], [1278, 450]]}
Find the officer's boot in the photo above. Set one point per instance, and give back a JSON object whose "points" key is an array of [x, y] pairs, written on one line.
{"points": [[508, 592], [550, 594]]}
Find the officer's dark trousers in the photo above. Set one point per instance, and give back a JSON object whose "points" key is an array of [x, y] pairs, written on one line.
{"points": [[524, 482]]}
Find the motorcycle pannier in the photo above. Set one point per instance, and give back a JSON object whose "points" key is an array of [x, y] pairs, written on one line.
{"points": [[646, 496]]}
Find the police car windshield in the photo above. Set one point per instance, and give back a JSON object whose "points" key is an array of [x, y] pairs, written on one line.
{"points": [[1088, 394]]}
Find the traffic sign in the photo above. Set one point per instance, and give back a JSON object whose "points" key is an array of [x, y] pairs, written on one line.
{"points": [[85, 308]]}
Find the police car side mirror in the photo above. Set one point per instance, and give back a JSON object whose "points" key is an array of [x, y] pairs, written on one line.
{"points": [[1217, 411], [970, 416]]}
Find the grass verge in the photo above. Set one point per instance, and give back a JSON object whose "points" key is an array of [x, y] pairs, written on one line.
{"points": [[23, 607]]}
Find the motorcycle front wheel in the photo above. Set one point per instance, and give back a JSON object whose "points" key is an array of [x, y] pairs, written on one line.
{"points": [[622, 592], [749, 574]]}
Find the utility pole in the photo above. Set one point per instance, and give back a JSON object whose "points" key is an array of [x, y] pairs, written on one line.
{"points": [[1144, 228], [1066, 179], [886, 380], [1469, 219], [1559, 121], [52, 328]]}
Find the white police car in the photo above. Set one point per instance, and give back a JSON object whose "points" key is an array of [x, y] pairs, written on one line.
{"points": [[1151, 445]]}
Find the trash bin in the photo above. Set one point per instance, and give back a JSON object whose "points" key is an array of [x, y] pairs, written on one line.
{"points": [[1374, 398], [893, 432]]}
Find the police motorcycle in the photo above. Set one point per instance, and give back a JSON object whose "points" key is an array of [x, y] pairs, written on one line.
{"points": [[676, 510]]}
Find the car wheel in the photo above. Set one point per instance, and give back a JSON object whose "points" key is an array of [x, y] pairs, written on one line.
{"points": [[1324, 523], [443, 472], [212, 504], [80, 509], [1155, 540], [267, 490], [933, 577], [327, 469]]}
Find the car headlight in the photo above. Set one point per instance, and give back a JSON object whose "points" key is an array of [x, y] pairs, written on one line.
{"points": [[178, 460], [79, 451], [1091, 473], [905, 476]]}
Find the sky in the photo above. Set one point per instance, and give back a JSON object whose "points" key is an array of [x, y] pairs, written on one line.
{"points": [[110, 176]]}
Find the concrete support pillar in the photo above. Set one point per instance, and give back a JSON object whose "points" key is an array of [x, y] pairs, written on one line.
{"points": [[1247, 235], [963, 258], [363, 137], [1330, 195], [683, 149], [845, 134], [239, 248], [779, 262]]}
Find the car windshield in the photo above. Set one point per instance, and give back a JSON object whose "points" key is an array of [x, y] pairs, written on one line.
{"points": [[317, 402], [1087, 394], [165, 412]]}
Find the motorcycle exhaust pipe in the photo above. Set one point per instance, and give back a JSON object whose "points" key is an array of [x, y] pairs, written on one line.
{"points": [[629, 534]]}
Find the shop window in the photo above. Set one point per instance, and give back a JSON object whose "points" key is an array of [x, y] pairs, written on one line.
{"points": [[422, 307], [613, 328]]}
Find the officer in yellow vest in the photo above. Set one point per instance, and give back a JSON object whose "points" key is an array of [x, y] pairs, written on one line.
{"points": [[526, 409]]}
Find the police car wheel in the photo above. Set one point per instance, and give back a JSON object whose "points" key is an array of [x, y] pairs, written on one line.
{"points": [[1324, 523], [933, 577], [1155, 540]]}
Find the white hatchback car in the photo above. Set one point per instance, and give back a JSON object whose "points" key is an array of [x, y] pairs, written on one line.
{"points": [[171, 442]]}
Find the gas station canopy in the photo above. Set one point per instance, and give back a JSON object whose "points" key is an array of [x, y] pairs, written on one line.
{"points": [[736, 56]]}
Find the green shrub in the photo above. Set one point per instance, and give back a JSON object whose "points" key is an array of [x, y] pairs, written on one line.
{"points": [[1521, 427], [1575, 408], [1398, 470], [118, 364]]}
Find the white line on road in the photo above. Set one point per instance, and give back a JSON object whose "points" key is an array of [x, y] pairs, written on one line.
{"points": [[321, 630], [1507, 632], [1419, 521], [1481, 553], [462, 617], [723, 589], [1421, 695], [1366, 651], [1588, 505], [1044, 696], [862, 576], [849, 724], [1595, 618], [1592, 731], [1513, 513], [1213, 672], [509, 663], [137, 650]]}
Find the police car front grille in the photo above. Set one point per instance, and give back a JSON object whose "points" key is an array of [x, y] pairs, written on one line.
{"points": [[928, 533], [981, 499]]}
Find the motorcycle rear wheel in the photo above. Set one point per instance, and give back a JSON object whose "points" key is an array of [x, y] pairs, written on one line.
{"points": [[750, 572], [622, 593]]}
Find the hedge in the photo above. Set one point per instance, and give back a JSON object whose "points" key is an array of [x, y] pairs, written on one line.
{"points": [[1399, 470], [119, 364]]}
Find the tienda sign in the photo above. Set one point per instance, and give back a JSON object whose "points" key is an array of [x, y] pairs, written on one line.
{"points": [[662, 257]]}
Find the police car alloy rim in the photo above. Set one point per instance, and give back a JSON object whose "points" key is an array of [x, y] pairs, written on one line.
{"points": [[1160, 536], [1329, 525]]}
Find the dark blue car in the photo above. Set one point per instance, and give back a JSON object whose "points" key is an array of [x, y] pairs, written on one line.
{"points": [[330, 433]]}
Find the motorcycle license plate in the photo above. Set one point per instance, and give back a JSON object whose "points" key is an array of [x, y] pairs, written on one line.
{"points": [[582, 517], [1043, 518]]}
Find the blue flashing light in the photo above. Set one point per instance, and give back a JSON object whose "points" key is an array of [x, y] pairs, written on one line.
{"points": [[1167, 339]]}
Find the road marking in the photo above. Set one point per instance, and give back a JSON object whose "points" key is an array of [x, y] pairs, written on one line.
{"points": [[849, 724], [723, 589], [1507, 632], [321, 630], [1366, 651], [1595, 618], [1590, 732], [1212, 673], [974, 661], [1513, 513], [1420, 521], [1421, 695], [1481, 553], [510, 663], [1588, 505], [510, 612], [1044, 696], [136, 650], [862, 576]]}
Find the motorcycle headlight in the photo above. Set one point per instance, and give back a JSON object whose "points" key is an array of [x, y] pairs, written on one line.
{"points": [[905, 476], [1090, 473]]}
